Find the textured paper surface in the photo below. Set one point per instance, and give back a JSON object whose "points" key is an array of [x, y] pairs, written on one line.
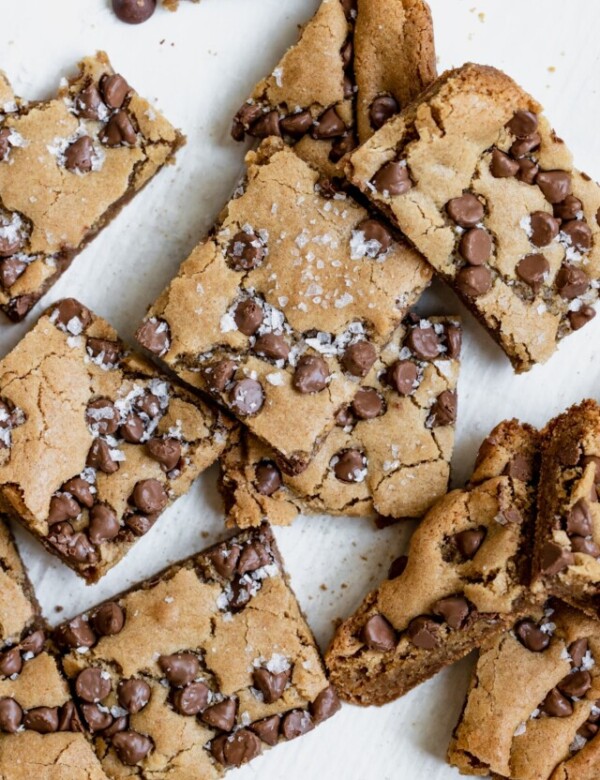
{"points": [[199, 65]]}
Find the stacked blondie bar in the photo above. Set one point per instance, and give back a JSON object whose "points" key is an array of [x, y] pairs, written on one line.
{"points": [[290, 349]]}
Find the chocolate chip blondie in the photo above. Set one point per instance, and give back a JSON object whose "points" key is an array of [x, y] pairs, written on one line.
{"points": [[567, 550], [480, 183], [281, 313], [532, 708], [198, 669], [357, 63], [94, 441], [465, 579], [389, 453], [67, 166]]}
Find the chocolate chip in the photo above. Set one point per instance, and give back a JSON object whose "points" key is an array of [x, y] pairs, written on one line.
{"points": [[131, 747], [132, 429], [528, 171], [555, 185], [555, 558], [140, 524], [236, 749], [581, 545], [556, 705], [220, 374], [33, 643], [397, 567], [571, 282], [378, 634], [254, 556], [166, 451], [44, 720], [296, 125], [68, 310], [520, 467], [78, 155], [533, 270], [265, 126], [75, 546], [342, 146], [179, 668], [467, 211], [311, 374], [245, 251], [133, 695], [191, 699], [244, 118], [119, 131], [523, 123], [570, 208], [102, 416], [325, 705], [267, 478], [104, 525], [62, 507], [367, 404], [422, 632], [581, 317], [359, 358], [154, 335], [222, 715], [119, 724], [88, 103], [443, 411], [392, 179], [580, 234], [469, 541], [11, 269], [453, 609], [330, 186], [402, 376], [329, 125], [268, 729], [11, 715], [248, 316], [108, 619], [587, 730], [349, 8], [501, 165], [149, 496], [524, 146], [99, 457], [114, 90], [79, 488], [476, 246], [376, 237], [225, 559], [247, 397], [577, 651], [296, 723], [272, 346], [271, 684], [453, 334], [68, 718], [347, 52], [93, 685], [349, 466], [11, 662], [544, 228], [576, 684], [75, 633], [384, 107], [134, 11], [474, 281], [96, 719], [579, 519]]}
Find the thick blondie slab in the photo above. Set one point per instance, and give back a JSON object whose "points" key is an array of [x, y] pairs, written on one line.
{"points": [[198, 669], [465, 579], [67, 166], [94, 441], [283, 310], [356, 64], [476, 178], [531, 711], [389, 453], [567, 549]]}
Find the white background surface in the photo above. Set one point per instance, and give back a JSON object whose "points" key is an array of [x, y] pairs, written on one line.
{"points": [[199, 65]]}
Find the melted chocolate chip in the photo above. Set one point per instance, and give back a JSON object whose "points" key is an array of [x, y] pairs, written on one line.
{"points": [[402, 376], [245, 251], [114, 90], [502, 166], [236, 749], [556, 705], [296, 723], [454, 610], [474, 281], [392, 179], [134, 11], [271, 684], [571, 282], [104, 525], [248, 316], [75, 633], [544, 228], [555, 185], [108, 619], [131, 747], [44, 720], [296, 125], [443, 411], [272, 346], [92, 685], [533, 270], [166, 451], [467, 210], [133, 695], [579, 519], [349, 466], [191, 699], [329, 125], [222, 715], [311, 374], [384, 107], [523, 124], [476, 246], [378, 634], [423, 632], [469, 541], [154, 335], [368, 404], [119, 131], [247, 397], [11, 715], [424, 343], [180, 668], [555, 558], [267, 478], [267, 729], [99, 457], [149, 496], [79, 488], [78, 155], [359, 358], [325, 705]]}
